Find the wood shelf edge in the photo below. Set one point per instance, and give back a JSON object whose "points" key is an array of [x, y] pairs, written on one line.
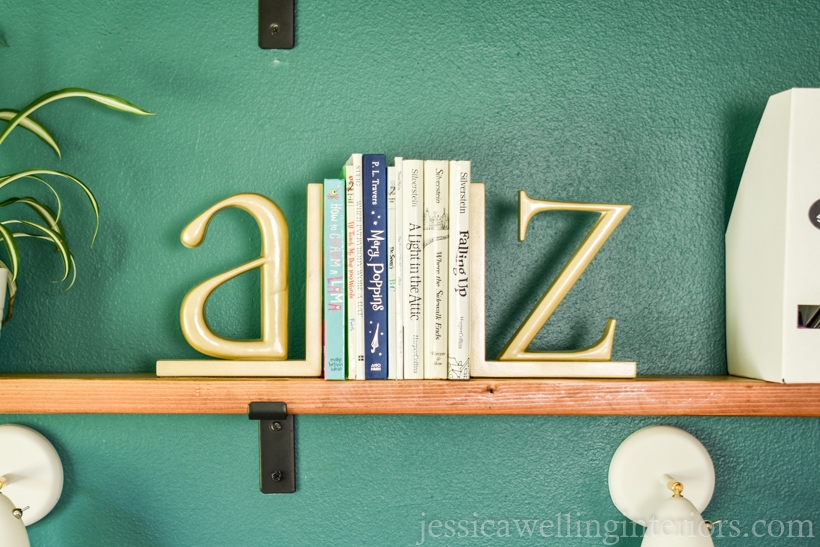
{"points": [[643, 396]]}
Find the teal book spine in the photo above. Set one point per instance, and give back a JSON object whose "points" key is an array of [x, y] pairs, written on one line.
{"points": [[335, 295]]}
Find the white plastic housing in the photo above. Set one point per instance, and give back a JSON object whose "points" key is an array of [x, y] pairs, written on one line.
{"points": [[12, 530], [773, 247], [677, 523], [642, 465], [33, 470]]}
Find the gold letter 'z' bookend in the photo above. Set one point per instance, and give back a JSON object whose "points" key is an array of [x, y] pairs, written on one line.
{"points": [[268, 355], [515, 361]]}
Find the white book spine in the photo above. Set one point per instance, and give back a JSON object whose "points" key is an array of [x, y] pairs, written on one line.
{"points": [[352, 245], [458, 342], [391, 272], [413, 267], [396, 314], [436, 250], [356, 164]]}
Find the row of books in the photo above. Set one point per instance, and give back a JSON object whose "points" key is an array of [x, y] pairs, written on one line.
{"points": [[396, 270]]}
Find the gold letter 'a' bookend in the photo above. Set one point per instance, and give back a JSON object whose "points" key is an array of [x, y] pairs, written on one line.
{"points": [[515, 361], [268, 355]]}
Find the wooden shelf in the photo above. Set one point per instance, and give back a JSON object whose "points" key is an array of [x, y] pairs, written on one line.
{"points": [[646, 396]]}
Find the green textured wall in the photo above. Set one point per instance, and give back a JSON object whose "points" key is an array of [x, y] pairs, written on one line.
{"points": [[649, 103]]}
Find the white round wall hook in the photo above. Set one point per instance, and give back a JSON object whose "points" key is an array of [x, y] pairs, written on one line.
{"points": [[33, 471], [646, 462]]}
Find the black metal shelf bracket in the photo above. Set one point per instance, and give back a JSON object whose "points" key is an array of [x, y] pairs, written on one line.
{"points": [[276, 24], [277, 455]]}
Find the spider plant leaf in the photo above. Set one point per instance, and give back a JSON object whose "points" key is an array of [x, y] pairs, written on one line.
{"points": [[72, 262], [26, 174], [35, 127], [57, 239], [72, 265], [93, 200], [12, 291], [111, 101], [45, 212], [13, 250]]}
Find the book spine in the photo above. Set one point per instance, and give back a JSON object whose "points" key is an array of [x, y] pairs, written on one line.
{"points": [[391, 271], [334, 278], [412, 267], [356, 165], [374, 190], [436, 233], [352, 248], [458, 341], [350, 217], [396, 315]]}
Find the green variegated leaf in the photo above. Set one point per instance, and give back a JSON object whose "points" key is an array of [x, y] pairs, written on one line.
{"points": [[73, 267], [12, 290], [50, 229], [57, 239], [111, 101], [72, 264], [40, 180], [45, 212], [35, 127], [94, 205], [13, 251]]}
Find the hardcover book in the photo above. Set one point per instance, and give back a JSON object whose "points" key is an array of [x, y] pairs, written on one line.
{"points": [[335, 327], [458, 342], [391, 272], [436, 251], [374, 192], [355, 261], [412, 233], [397, 314]]}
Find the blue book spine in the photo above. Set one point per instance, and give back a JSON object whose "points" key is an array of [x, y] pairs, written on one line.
{"points": [[335, 295], [374, 191]]}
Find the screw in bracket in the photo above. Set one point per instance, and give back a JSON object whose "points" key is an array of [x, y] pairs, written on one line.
{"points": [[275, 426], [277, 476], [275, 29]]}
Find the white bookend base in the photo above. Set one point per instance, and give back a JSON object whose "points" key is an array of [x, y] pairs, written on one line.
{"points": [[555, 369], [214, 367]]}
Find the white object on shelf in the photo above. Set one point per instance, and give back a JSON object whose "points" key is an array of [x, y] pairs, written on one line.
{"points": [[773, 246]]}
